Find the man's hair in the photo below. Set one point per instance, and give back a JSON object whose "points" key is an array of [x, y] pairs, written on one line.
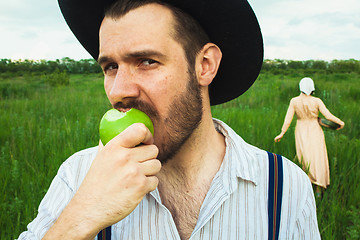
{"points": [[187, 31]]}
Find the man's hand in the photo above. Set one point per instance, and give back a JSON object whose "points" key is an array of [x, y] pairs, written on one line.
{"points": [[122, 173]]}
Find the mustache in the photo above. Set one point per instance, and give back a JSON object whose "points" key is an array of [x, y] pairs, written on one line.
{"points": [[140, 105]]}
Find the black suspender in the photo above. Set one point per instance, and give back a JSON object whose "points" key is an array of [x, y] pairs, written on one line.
{"points": [[104, 234], [274, 195]]}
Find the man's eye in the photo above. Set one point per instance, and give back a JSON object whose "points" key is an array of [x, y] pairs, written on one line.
{"points": [[110, 67], [148, 62]]}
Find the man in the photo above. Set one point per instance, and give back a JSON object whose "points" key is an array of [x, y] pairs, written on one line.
{"points": [[196, 178]]}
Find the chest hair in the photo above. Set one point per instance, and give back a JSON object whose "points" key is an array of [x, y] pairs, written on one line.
{"points": [[184, 203]]}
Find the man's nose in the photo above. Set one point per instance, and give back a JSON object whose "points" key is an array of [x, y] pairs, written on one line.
{"points": [[123, 87]]}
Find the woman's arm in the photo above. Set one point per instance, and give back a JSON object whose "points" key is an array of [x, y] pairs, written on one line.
{"points": [[287, 121], [327, 114]]}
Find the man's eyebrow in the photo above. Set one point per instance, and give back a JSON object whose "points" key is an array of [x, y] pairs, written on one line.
{"points": [[143, 54], [103, 59], [136, 54]]}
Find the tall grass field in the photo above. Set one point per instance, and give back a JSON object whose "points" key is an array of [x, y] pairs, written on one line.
{"points": [[42, 124]]}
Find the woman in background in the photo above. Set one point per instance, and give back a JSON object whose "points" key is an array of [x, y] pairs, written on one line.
{"points": [[309, 137]]}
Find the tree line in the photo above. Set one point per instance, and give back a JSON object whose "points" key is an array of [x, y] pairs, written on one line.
{"points": [[279, 66], [276, 66], [49, 66]]}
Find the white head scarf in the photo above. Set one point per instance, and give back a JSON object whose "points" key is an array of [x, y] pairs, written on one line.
{"points": [[307, 85]]}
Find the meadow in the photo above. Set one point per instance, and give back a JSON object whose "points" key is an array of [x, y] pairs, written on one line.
{"points": [[42, 124]]}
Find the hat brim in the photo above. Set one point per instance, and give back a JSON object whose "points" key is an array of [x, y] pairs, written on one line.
{"points": [[230, 24]]}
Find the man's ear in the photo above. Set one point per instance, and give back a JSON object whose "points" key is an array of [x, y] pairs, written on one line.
{"points": [[207, 63]]}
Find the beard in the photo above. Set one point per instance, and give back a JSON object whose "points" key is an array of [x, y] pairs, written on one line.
{"points": [[183, 116]]}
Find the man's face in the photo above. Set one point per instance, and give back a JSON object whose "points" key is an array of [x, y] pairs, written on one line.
{"points": [[146, 68]]}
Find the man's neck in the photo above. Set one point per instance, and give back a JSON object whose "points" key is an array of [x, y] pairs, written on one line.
{"points": [[200, 157], [185, 179]]}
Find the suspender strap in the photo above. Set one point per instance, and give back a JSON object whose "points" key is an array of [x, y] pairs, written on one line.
{"points": [[275, 194], [104, 234]]}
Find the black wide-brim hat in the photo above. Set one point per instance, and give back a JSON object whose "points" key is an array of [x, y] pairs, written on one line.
{"points": [[230, 24]]}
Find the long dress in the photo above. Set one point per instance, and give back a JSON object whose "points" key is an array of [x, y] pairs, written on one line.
{"points": [[309, 136]]}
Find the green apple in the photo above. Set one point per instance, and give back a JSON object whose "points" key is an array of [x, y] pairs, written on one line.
{"points": [[114, 122]]}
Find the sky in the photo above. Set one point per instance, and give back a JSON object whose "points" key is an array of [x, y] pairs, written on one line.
{"points": [[292, 29]]}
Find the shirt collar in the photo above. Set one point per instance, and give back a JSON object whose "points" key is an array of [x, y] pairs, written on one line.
{"points": [[239, 161], [240, 158]]}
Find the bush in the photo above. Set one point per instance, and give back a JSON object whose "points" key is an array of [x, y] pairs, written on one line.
{"points": [[57, 78]]}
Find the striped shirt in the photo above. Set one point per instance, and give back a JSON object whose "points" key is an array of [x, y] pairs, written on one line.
{"points": [[235, 206]]}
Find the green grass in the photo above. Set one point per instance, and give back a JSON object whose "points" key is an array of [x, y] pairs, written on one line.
{"points": [[42, 125], [40, 128], [258, 116]]}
